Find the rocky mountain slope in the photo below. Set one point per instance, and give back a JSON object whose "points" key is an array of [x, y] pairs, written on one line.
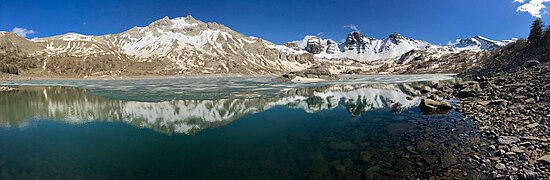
{"points": [[183, 45]]}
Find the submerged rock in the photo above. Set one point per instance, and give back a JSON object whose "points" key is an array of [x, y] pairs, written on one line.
{"points": [[448, 160], [343, 146], [429, 106], [365, 156]]}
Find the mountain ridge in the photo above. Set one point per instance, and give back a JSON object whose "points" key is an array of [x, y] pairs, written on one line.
{"points": [[185, 45], [357, 46]]}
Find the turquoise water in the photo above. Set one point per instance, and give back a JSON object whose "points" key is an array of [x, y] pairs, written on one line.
{"points": [[226, 128]]}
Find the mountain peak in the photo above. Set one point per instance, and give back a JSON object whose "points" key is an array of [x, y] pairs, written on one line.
{"points": [[479, 43], [189, 17], [396, 35]]}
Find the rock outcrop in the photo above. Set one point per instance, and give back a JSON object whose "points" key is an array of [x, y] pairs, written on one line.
{"points": [[429, 106], [332, 47], [468, 89], [317, 72], [314, 46]]}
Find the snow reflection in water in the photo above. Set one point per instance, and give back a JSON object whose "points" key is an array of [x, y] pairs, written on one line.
{"points": [[108, 101]]}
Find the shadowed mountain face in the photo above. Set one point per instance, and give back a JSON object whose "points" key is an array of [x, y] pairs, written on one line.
{"points": [[189, 116]]}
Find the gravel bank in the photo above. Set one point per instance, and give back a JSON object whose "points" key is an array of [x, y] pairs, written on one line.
{"points": [[511, 110]]}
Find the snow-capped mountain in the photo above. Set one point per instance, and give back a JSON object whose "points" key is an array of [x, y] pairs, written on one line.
{"points": [[185, 45], [357, 46], [189, 45], [479, 43]]}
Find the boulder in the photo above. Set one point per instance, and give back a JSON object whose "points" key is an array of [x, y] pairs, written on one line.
{"points": [[531, 63], [429, 106], [468, 89]]}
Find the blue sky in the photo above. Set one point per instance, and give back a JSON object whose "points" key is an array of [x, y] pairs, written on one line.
{"points": [[436, 21]]}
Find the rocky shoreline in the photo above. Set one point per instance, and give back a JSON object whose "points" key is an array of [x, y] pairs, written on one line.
{"points": [[511, 110]]}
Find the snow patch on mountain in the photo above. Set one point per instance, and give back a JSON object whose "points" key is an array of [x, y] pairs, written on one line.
{"points": [[480, 43], [359, 47]]}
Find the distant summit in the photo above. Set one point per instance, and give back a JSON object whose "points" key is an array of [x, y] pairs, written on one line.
{"points": [[360, 47], [480, 43]]}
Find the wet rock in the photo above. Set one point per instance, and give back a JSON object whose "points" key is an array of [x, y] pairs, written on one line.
{"points": [[373, 173], [389, 172], [424, 145], [343, 146], [508, 140], [365, 156], [430, 159], [429, 106], [448, 160], [339, 167]]}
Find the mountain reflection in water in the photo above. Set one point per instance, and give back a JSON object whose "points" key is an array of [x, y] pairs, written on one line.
{"points": [[77, 106]]}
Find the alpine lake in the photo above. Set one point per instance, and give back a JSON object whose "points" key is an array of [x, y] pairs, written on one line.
{"points": [[360, 127]]}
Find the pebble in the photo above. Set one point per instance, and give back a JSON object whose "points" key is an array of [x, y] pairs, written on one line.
{"points": [[500, 166], [507, 140]]}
